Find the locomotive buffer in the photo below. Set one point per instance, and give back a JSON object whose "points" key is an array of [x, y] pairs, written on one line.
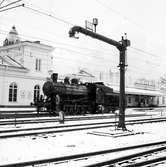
{"points": [[121, 46]]}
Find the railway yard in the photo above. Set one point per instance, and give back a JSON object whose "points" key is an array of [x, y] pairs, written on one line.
{"points": [[89, 140], [82, 83]]}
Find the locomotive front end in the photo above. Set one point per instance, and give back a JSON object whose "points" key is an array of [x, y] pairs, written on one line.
{"points": [[48, 88]]}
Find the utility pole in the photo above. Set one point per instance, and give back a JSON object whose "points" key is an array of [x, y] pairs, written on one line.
{"points": [[121, 46]]}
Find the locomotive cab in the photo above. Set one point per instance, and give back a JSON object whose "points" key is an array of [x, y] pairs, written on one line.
{"points": [[99, 94]]}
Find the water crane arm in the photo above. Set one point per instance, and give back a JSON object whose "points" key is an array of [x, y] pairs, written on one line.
{"points": [[77, 29]]}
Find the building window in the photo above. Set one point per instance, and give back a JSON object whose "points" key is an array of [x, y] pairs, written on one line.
{"points": [[36, 92], [163, 100], [13, 92], [38, 65]]}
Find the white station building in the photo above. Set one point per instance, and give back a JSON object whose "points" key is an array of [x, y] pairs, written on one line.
{"points": [[24, 67]]}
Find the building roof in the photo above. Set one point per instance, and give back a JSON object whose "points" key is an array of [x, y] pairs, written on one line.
{"points": [[12, 37], [135, 91], [7, 61], [84, 73], [143, 92], [36, 44], [13, 40]]}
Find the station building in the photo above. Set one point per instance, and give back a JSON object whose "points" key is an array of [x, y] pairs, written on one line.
{"points": [[143, 93], [24, 67]]}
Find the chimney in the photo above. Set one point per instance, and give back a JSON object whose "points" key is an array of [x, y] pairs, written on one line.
{"points": [[54, 77]]}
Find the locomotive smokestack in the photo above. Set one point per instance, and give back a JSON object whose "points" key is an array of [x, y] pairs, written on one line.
{"points": [[54, 77]]}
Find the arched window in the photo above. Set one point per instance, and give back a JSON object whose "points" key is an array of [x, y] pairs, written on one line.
{"points": [[13, 92], [36, 92]]}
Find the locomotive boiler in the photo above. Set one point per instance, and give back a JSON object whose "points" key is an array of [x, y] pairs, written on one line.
{"points": [[77, 98]]}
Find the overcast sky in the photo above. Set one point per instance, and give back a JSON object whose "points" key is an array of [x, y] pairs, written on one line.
{"points": [[142, 20]]}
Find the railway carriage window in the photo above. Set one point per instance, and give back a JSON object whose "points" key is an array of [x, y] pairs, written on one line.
{"points": [[129, 99], [36, 92], [157, 100], [13, 92]]}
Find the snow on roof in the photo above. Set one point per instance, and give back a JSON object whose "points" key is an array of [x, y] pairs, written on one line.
{"points": [[135, 91], [143, 92]]}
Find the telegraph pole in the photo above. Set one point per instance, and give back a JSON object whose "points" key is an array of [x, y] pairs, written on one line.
{"points": [[121, 46]]}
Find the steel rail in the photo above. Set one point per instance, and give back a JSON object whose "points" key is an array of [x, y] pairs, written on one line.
{"points": [[89, 154], [10, 122], [85, 124], [36, 120], [90, 126], [128, 157], [148, 162]]}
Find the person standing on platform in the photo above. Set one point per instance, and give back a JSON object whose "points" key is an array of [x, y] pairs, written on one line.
{"points": [[58, 110]]}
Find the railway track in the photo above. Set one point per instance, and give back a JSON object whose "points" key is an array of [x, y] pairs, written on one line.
{"points": [[56, 119], [145, 157], [136, 155], [69, 128]]}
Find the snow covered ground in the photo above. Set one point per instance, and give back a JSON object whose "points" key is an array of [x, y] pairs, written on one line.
{"points": [[14, 150]]}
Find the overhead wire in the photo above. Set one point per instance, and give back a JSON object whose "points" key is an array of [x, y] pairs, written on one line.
{"points": [[83, 54], [1, 2], [41, 12], [2, 10], [143, 51], [143, 57], [92, 49], [78, 59], [129, 20], [85, 49], [49, 15], [133, 23], [9, 4], [118, 13], [61, 20], [83, 60], [59, 43]]}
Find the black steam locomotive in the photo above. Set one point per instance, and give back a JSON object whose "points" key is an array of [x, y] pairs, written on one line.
{"points": [[76, 98]]}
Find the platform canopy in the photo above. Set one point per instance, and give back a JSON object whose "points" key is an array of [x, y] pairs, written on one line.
{"points": [[135, 91]]}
